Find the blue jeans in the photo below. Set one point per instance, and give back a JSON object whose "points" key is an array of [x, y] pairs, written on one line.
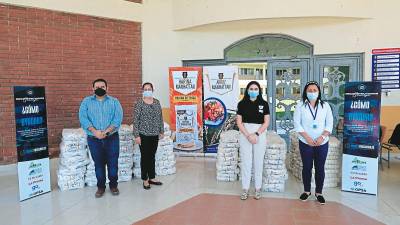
{"points": [[105, 152], [317, 155]]}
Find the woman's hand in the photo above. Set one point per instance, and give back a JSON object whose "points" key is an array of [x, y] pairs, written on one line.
{"points": [[319, 140], [161, 136], [252, 138], [138, 141], [310, 141]]}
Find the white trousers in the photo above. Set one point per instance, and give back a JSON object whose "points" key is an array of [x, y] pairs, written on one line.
{"points": [[252, 155]]}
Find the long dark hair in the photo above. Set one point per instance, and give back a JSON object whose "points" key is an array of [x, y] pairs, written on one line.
{"points": [[246, 96], [319, 99]]}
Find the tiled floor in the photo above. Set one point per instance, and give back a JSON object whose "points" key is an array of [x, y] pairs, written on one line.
{"points": [[195, 176], [213, 209]]}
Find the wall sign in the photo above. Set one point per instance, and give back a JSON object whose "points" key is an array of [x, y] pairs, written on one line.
{"points": [[386, 67]]}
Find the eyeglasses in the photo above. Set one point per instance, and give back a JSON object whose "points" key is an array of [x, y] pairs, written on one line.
{"points": [[312, 82]]}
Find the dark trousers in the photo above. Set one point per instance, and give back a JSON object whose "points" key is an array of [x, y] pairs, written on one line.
{"points": [[148, 150], [105, 152], [316, 155]]}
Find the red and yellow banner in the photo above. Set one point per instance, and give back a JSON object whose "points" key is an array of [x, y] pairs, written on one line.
{"points": [[186, 106]]}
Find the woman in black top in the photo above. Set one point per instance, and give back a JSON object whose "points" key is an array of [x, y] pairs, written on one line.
{"points": [[148, 127], [252, 120]]}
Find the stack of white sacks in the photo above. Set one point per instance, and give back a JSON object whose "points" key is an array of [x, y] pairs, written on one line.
{"points": [[332, 165], [275, 173], [228, 156], [165, 157], [125, 159], [73, 159]]}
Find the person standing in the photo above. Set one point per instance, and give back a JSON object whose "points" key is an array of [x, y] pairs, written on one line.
{"points": [[148, 128], [100, 116], [252, 120], [313, 121]]}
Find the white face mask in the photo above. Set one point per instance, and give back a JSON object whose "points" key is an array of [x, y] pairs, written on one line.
{"points": [[147, 94], [312, 96]]}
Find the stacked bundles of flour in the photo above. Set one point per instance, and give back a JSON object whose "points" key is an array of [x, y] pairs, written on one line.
{"points": [[332, 164], [165, 157], [227, 157], [90, 176], [136, 161], [125, 160], [73, 159], [275, 173]]}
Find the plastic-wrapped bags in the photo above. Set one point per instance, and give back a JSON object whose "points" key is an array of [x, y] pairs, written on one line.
{"points": [[90, 176], [73, 160], [136, 161], [165, 157], [228, 156], [275, 173], [332, 165], [125, 160]]}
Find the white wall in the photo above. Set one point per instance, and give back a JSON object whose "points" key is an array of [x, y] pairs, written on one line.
{"points": [[189, 13]]}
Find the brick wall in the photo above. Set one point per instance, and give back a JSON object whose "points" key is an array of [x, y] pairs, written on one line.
{"points": [[65, 53]]}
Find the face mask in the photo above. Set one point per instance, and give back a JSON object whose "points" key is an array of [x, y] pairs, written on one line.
{"points": [[312, 96], [253, 94], [100, 92], [147, 94]]}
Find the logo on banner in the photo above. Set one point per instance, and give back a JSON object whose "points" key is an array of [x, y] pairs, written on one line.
{"points": [[221, 85], [185, 82], [359, 165], [362, 87], [358, 161]]}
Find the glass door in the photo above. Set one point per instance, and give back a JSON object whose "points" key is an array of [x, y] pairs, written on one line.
{"points": [[285, 81], [332, 73]]}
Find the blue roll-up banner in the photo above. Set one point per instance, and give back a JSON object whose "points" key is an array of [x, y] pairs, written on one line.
{"points": [[361, 145], [31, 141]]}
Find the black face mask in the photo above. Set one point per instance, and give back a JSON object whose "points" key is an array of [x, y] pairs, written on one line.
{"points": [[100, 92]]}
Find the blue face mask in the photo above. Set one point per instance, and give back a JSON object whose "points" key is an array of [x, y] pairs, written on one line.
{"points": [[253, 94], [312, 96], [147, 94]]}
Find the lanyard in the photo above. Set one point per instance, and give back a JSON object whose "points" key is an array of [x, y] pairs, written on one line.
{"points": [[316, 111]]}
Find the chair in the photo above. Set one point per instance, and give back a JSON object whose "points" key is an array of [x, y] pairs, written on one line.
{"points": [[393, 143]]}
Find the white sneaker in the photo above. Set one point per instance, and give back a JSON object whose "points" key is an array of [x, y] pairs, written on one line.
{"points": [[257, 196], [244, 195]]}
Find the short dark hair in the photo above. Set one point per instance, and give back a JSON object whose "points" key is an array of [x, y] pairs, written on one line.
{"points": [[99, 80], [148, 83]]}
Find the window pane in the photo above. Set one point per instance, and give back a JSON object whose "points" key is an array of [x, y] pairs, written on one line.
{"points": [[334, 79]]}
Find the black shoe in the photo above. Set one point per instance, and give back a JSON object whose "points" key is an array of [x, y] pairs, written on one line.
{"points": [[320, 199], [146, 187], [155, 182], [304, 196]]}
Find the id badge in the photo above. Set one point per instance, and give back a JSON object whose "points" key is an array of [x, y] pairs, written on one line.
{"points": [[314, 125]]}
